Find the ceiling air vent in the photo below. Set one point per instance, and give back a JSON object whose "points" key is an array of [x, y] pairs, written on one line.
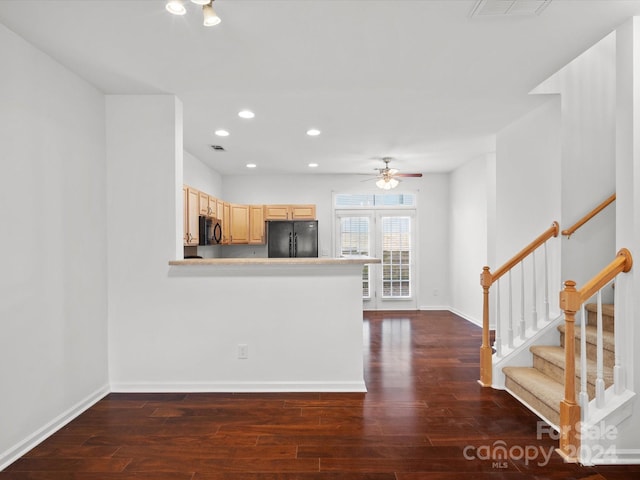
{"points": [[486, 8], [218, 148]]}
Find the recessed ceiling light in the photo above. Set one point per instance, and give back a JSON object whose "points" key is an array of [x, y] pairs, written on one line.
{"points": [[201, 2], [222, 133], [251, 165], [313, 132], [313, 165], [246, 114]]}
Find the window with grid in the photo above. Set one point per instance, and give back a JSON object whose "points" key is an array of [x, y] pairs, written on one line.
{"points": [[396, 257], [355, 240]]}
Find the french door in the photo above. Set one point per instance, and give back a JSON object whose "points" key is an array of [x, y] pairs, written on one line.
{"points": [[389, 236]]}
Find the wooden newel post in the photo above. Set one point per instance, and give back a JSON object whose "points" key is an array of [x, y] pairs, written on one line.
{"points": [[570, 301], [486, 363]]}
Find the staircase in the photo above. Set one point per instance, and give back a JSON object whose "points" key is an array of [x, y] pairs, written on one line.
{"points": [[541, 387]]}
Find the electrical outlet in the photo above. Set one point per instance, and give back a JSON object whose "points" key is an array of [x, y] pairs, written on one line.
{"points": [[243, 351]]}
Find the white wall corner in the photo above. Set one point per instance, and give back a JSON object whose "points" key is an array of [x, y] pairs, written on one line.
{"points": [[37, 437]]}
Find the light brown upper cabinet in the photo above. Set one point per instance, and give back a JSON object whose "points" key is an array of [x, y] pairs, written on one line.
{"points": [[185, 214], [212, 210], [239, 224], [303, 212], [191, 198], [256, 224], [204, 203], [223, 214], [289, 212]]}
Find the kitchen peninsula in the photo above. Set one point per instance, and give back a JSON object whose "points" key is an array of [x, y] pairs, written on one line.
{"points": [[290, 324]]}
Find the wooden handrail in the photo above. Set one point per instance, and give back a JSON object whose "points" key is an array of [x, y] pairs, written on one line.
{"points": [[622, 263], [552, 231], [486, 280], [570, 301], [571, 230]]}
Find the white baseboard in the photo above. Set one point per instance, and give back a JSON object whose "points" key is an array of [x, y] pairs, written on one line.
{"points": [[238, 387], [37, 437], [452, 310], [475, 321]]}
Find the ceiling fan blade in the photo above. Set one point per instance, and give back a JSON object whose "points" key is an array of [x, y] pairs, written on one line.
{"points": [[417, 175]]}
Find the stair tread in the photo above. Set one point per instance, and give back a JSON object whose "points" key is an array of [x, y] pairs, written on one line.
{"points": [[607, 308], [608, 337], [556, 355], [543, 387]]}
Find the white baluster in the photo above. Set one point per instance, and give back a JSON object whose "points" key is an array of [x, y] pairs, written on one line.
{"points": [[534, 300], [599, 357], [523, 327], [618, 373], [583, 397], [510, 319], [546, 284], [498, 340]]}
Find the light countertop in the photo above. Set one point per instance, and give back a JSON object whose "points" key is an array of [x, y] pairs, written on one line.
{"points": [[277, 261]]}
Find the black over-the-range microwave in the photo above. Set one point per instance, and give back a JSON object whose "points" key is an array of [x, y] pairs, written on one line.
{"points": [[210, 231]]}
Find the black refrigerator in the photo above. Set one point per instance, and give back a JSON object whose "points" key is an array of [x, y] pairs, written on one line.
{"points": [[298, 238]]}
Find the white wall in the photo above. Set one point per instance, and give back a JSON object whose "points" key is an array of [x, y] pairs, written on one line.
{"points": [[432, 221], [200, 176], [53, 295], [469, 216], [587, 88], [528, 196]]}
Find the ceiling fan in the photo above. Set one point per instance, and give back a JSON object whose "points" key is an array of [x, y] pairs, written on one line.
{"points": [[388, 177]]}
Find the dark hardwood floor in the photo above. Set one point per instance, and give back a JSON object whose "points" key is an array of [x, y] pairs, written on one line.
{"points": [[424, 417]]}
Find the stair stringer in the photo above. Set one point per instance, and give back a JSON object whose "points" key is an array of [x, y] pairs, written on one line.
{"points": [[598, 435], [520, 355]]}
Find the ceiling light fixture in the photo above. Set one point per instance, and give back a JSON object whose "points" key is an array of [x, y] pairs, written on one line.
{"points": [[246, 114], [251, 165], [386, 183], [313, 132], [222, 133], [176, 7], [211, 18], [313, 165]]}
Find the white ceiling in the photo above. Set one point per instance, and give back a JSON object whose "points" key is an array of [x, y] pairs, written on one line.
{"points": [[417, 80]]}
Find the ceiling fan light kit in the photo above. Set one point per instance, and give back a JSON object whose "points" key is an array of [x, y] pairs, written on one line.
{"points": [[176, 7], [386, 178], [210, 17], [387, 183]]}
